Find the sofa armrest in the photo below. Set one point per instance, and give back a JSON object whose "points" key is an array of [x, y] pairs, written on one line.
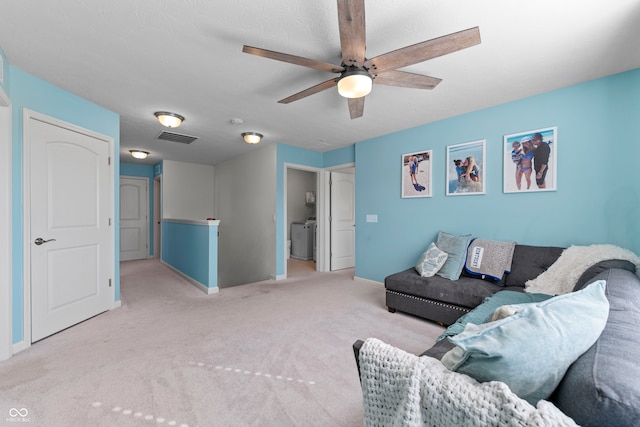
{"points": [[601, 266], [356, 352], [397, 385]]}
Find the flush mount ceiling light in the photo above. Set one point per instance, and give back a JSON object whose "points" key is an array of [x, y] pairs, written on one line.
{"points": [[251, 137], [355, 83], [170, 120], [139, 154]]}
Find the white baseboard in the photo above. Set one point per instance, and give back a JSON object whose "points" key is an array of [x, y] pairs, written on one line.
{"points": [[20, 346], [369, 281], [116, 304], [207, 290]]}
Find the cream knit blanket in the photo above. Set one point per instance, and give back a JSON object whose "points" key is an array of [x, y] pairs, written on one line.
{"points": [[401, 389], [561, 277]]}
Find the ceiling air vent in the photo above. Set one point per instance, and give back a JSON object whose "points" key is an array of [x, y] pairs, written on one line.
{"points": [[176, 137]]}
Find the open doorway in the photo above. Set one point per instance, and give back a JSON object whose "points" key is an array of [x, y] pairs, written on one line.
{"points": [[301, 224], [326, 209]]}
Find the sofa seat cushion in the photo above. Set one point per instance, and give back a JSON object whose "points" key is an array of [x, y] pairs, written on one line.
{"points": [[484, 311], [601, 387], [464, 292]]}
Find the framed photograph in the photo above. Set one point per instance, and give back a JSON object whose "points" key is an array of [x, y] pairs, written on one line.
{"points": [[416, 174], [530, 161], [465, 168]]}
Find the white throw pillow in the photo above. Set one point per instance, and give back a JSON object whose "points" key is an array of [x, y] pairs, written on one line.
{"points": [[431, 261]]}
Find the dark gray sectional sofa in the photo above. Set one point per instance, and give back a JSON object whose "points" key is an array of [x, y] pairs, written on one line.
{"points": [[444, 301], [601, 388]]}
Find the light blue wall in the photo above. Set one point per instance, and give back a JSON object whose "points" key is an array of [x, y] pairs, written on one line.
{"points": [[143, 171], [341, 156], [193, 250], [32, 93], [597, 198]]}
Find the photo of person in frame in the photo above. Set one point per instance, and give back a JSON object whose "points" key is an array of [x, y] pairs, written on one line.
{"points": [[533, 154], [416, 174], [465, 168]]}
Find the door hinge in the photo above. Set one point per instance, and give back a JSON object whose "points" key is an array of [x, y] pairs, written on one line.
{"points": [[109, 222], [109, 160], [109, 282]]}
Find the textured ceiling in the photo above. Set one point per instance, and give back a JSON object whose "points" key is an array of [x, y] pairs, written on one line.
{"points": [[137, 57]]}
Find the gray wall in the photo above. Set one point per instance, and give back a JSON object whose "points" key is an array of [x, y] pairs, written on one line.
{"points": [[245, 204], [187, 190]]}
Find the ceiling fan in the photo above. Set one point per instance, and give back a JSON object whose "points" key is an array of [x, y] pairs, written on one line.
{"points": [[357, 73]]}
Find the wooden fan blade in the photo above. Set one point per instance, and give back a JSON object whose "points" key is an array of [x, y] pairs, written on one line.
{"points": [[404, 79], [356, 107], [310, 91], [424, 51], [293, 59], [352, 31]]}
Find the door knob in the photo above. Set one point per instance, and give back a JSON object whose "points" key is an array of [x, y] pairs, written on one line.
{"points": [[40, 241]]}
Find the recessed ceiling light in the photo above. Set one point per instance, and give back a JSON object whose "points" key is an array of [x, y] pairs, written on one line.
{"points": [[251, 137], [139, 154], [170, 120]]}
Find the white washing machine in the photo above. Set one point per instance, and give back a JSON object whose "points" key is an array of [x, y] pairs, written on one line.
{"points": [[314, 227], [302, 239]]}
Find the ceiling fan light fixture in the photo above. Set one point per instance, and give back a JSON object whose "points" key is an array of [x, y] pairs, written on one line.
{"points": [[139, 154], [355, 83], [251, 137], [170, 120]]}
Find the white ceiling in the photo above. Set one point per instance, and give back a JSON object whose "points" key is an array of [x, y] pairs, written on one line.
{"points": [[137, 57]]}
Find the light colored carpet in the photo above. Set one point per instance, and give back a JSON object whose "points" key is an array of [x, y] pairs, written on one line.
{"points": [[264, 354]]}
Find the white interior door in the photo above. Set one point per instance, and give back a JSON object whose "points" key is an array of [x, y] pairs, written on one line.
{"points": [[343, 220], [71, 244], [134, 218]]}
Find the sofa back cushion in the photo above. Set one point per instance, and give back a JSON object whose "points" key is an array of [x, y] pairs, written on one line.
{"points": [[601, 387], [529, 262]]}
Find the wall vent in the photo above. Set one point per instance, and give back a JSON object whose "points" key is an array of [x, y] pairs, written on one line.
{"points": [[176, 137]]}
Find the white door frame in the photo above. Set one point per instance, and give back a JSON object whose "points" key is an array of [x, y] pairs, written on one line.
{"points": [[6, 277], [26, 191], [320, 260], [157, 216], [323, 238]]}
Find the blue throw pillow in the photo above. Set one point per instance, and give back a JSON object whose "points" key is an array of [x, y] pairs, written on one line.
{"points": [[531, 350], [456, 248]]}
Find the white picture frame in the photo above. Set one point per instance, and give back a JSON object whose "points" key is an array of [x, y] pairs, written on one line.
{"points": [[465, 170], [416, 174], [521, 174]]}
